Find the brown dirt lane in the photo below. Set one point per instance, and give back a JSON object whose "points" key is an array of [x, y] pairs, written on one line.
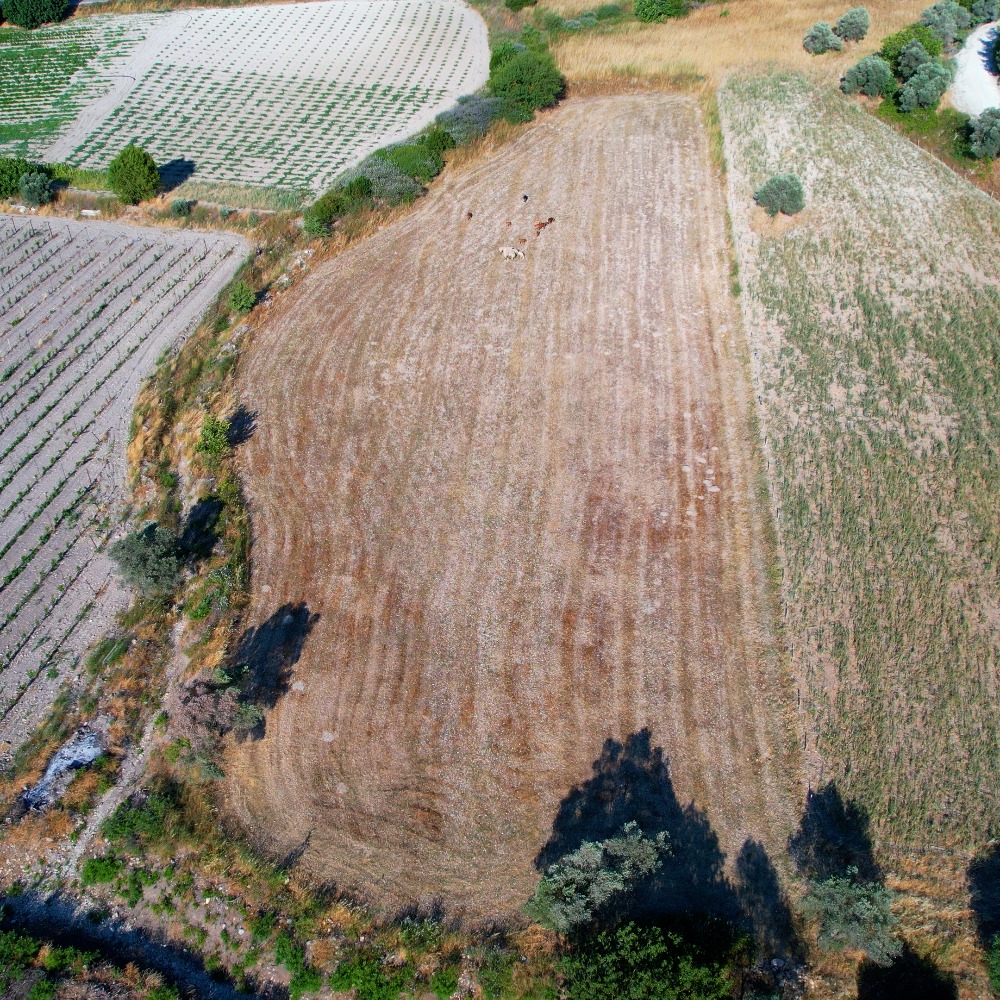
{"points": [[520, 498]]}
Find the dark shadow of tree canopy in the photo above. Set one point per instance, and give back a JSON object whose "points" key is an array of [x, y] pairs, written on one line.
{"points": [[200, 532], [910, 977], [175, 172], [270, 651], [984, 892], [833, 836], [631, 782], [242, 424], [764, 903]]}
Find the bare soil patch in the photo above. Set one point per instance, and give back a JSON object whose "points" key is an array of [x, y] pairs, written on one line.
{"points": [[504, 512]]}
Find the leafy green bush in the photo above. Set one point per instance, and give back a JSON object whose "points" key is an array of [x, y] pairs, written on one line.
{"points": [[925, 88], [911, 58], [97, 871], [646, 962], [388, 182], [32, 13], [214, 437], [44, 989], [370, 979], [444, 982], [414, 160], [984, 11], [853, 914], [242, 297], [529, 80], [133, 176], [17, 950], [947, 19], [854, 25], [659, 10], [984, 134], [820, 38], [471, 117], [12, 169], [993, 964], [503, 52], [781, 193], [595, 878], [516, 5], [437, 140], [67, 959], [148, 559], [872, 76], [36, 188], [893, 45], [180, 208], [137, 822]]}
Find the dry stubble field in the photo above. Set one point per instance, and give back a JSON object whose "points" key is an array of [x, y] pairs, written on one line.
{"points": [[518, 504]]}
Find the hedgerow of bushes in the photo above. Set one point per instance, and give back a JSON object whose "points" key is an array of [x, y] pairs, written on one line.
{"points": [[32, 13]]}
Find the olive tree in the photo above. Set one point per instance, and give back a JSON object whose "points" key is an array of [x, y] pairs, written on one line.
{"points": [[781, 193], [854, 25], [820, 38], [148, 559], [872, 76], [912, 56], [947, 19], [133, 176], [925, 88], [984, 133]]}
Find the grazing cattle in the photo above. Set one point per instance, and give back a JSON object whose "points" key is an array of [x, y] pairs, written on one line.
{"points": [[521, 240], [524, 197], [510, 253], [507, 223], [468, 215]]}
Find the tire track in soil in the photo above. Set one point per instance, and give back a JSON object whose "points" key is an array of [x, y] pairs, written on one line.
{"points": [[521, 498]]}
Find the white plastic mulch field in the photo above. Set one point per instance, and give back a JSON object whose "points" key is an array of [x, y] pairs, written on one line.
{"points": [[85, 310], [276, 96]]}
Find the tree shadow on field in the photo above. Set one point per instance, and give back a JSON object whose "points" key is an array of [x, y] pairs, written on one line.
{"points": [[242, 424], [270, 651], [200, 532], [983, 877], [833, 836], [764, 903], [910, 977], [175, 172], [631, 783]]}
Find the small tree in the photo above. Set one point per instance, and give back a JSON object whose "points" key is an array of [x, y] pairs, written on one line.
{"points": [[242, 297], [872, 77], [214, 438], [590, 880], [36, 188], [32, 13], [180, 208], [984, 11], [12, 169], [853, 914], [659, 10], [947, 19], [911, 58], [148, 559], [925, 88], [984, 133], [527, 81], [133, 176], [781, 193], [854, 25], [820, 38], [893, 45]]}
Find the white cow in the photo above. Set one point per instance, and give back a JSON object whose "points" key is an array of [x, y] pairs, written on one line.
{"points": [[511, 253]]}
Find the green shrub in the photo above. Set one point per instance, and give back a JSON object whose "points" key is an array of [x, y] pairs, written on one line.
{"points": [[369, 978], [659, 10], [608, 11], [647, 962], [993, 964], [984, 134], [36, 188], [853, 914], [67, 959], [947, 19], [12, 169], [44, 989], [893, 45], [16, 950], [32, 13], [180, 208], [517, 5], [781, 193], [526, 82], [357, 191], [242, 297], [503, 52], [854, 25], [911, 58], [984, 11], [148, 559], [97, 871], [437, 140], [136, 823], [214, 437], [820, 38], [413, 160], [872, 76], [925, 88], [444, 982], [133, 176], [595, 878]]}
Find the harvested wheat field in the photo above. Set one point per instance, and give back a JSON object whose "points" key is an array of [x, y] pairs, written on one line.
{"points": [[505, 511]]}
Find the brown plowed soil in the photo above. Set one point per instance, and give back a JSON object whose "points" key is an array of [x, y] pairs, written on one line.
{"points": [[518, 500]]}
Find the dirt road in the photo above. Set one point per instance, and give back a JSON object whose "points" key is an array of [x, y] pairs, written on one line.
{"points": [[505, 511]]}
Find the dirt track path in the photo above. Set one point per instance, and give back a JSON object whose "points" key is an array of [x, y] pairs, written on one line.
{"points": [[519, 496]]}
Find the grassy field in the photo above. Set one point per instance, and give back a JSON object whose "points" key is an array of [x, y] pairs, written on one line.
{"points": [[505, 511], [718, 38], [875, 328]]}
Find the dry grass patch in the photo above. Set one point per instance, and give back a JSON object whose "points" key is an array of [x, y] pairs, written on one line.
{"points": [[758, 34]]}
